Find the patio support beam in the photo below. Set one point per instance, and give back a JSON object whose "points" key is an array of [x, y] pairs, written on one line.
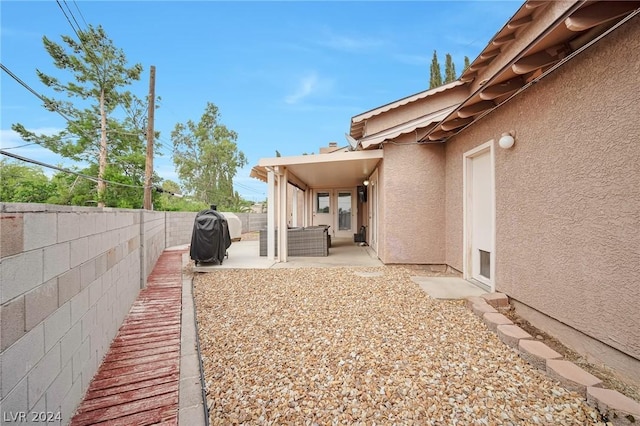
{"points": [[294, 207], [271, 214], [305, 207], [282, 213], [296, 181]]}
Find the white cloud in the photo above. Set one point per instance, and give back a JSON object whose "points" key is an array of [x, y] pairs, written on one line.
{"points": [[306, 87]]}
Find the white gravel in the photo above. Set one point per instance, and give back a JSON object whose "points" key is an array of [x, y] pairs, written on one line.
{"points": [[327, 347]]}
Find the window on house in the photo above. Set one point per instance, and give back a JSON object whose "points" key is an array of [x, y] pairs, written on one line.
{"points": [[322, 202], [344, 211]]}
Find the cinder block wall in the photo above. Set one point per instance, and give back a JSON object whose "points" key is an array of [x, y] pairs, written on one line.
{"points": [[180, 225], [179, 228], [255, 221], [153, 236], [68, 277]]}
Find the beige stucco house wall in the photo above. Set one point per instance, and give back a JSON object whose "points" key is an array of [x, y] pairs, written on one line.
{"points": [[565, 214], [412, 221], [568, 198]]}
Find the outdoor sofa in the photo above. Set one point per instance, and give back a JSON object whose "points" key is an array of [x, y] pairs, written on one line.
{"points": [[312, 241]]}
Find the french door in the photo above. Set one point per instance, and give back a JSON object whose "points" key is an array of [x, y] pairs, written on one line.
{"points": [[337, 209]]}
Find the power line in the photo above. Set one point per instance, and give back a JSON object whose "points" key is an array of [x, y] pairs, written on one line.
{"points": [[80, 12], [168, 147], [90, 54], [47, 103], [21, 146], [71, 13], [52, 107], [91, 57], [248, 188], [69, 20], [49, 166]]}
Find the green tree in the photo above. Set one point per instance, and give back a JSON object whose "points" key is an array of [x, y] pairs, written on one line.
{"points": [[207, 158], [449, 70], [21, 183], [128, 156], [436, 75], [170, 198], [99, 71], [466, 63], [239, 205]]}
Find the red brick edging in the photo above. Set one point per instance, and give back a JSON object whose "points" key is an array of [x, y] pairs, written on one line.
{"points": [[618, 408]]}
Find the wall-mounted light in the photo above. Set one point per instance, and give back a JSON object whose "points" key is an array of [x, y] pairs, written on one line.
{"points": [[366, 183], [506, 140]]}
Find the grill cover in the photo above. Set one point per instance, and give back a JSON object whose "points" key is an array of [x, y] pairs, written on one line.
{"points": [[210, 238]]}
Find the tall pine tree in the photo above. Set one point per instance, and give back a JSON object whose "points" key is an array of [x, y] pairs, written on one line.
{"points": [[449, 70], [436, 75], [466, 64], [100, 73]]}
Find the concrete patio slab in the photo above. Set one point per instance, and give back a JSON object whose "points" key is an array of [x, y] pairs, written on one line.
{"points": [[343, 252], [242, 255], [447, 287]]}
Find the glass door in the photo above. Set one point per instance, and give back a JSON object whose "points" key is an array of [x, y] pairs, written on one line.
{"points": [[322, 209], [345, 217]]}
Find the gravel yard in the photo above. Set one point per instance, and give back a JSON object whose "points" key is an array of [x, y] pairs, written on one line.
{"points": [[343, 346]]}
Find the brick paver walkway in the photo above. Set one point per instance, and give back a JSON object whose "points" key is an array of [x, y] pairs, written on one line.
{"points": [[138, 380]]}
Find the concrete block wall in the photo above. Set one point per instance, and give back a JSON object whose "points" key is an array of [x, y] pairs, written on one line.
{"points": [[68, 277], [252, 221], [179, 228], [152, 236], [179, 225]]}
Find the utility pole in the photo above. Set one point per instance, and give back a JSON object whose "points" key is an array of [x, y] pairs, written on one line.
{"points": [[148, 170]]}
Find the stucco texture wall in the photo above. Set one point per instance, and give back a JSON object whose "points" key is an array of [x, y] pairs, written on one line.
{"points": [[567, 193], [412, 225]]}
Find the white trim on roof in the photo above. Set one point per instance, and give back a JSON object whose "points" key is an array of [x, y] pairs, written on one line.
{"points": [[407, 127], [404, 101]]}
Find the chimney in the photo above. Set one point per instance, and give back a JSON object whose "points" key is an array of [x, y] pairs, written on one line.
{"points": [[333, 146]]}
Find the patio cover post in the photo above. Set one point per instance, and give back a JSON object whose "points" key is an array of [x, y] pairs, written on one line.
{"points": [[282, 214], [308, 207], [294, 207], [271, 214]]}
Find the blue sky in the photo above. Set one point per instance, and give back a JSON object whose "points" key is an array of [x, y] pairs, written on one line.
{"points": [[286, 75]]}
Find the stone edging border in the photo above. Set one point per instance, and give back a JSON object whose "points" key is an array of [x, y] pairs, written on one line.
{"points": [[192, 409], [614, 406]]}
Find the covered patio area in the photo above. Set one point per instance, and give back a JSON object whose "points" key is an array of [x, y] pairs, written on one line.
{"points": [[326, 190], [244, 255]]}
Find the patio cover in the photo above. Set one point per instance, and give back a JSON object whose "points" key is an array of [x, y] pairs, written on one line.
{"points": [[336, 169], [344, 169]]}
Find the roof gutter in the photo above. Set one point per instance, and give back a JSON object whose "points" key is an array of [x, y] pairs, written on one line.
{"points": [[522, 53], [544, 74]]}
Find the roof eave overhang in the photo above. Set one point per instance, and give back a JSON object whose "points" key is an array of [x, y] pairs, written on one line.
{"points": [[570, 30], [540, 37]]}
